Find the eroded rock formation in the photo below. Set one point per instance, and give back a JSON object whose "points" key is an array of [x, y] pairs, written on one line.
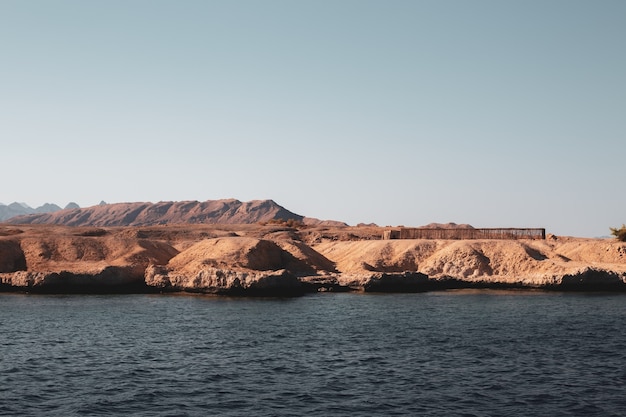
{"points": [[275, 259]]}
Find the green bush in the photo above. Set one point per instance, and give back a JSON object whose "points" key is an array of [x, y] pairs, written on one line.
{"points": [[620, 233]]}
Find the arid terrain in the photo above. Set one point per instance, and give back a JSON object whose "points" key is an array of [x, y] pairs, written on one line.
{"points": [[281, 257], [225, 211]]}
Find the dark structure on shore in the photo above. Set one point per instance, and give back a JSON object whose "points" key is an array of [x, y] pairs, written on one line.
{"points": [[463, 233]]}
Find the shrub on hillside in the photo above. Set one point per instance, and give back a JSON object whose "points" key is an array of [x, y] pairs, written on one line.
{"points": [[620, 233]]}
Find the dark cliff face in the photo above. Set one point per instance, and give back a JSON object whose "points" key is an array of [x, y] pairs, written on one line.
{"points": [[12, 257], [149, 214]]}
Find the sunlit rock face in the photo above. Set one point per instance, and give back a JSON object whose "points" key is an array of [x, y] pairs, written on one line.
{"points": [[228, 211], [266, 259]]}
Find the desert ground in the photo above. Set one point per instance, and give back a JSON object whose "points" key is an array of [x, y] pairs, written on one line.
{"points": [[279, 258]]}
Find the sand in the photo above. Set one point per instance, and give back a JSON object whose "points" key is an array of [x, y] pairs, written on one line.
{"points": [[216, 258]]}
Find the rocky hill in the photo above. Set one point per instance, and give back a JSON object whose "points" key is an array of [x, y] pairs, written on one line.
{"points": [[229, 211]]}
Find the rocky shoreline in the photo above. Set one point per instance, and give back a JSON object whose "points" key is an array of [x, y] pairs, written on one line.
{"points": [[286, 285], [262, 260]]}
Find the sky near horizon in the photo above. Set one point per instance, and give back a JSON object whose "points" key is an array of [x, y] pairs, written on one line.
{"points": [[492, 113]]}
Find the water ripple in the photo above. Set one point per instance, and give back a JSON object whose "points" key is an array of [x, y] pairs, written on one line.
{"points": [[433, 354]]}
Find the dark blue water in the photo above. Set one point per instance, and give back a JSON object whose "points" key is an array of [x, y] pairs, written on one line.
{"points": [[441, 353]]}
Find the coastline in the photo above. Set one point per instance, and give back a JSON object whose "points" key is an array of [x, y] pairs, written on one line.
{"points": [[275, 260]]}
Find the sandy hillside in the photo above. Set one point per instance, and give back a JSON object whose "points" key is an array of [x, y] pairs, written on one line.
{"points": [[248, 253], [219, 257], [535, 262]]}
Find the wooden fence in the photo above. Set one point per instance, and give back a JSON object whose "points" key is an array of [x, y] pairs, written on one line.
{"points": [[463, 233]]}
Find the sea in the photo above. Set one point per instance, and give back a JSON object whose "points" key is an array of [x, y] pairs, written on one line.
{"points": [[447, 353]]}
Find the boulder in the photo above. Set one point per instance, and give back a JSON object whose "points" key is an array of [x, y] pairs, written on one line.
{"points": [[226, 281]]}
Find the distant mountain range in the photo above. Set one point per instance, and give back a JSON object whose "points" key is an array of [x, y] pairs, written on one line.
{"points": [[20, 209], [229, 211]]}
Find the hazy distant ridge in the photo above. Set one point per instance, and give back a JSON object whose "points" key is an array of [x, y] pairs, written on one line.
{"points": [[20, 209]]}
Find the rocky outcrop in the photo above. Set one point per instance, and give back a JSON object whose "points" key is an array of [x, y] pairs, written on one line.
{"points": [[67, 263], [592, 279], [226, 281], [12, 258], [387, 282], [234, 265], [110, 279]]}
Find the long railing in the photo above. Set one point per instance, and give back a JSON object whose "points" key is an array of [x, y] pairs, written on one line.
{"points": [[464, 233]]}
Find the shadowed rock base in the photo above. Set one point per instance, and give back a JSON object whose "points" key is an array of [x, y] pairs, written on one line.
{"points": [[435, 285], [254, 292], [591, 280], [279, 283], [109, 280], [138, 288]]}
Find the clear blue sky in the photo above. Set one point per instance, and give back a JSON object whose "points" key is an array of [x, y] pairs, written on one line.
{"points": [[493, 113]]}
